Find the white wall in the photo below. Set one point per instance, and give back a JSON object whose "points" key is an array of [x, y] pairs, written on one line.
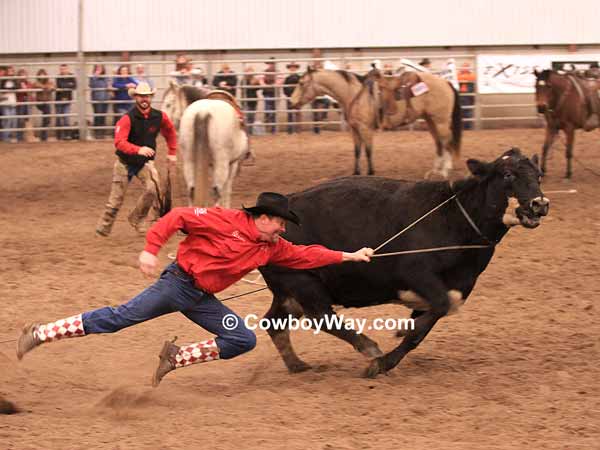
{"points": [[34, 26], [38, 26]]}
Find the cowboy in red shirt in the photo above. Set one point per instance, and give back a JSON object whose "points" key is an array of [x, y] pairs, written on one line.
{"points": [[135, 143], [222, 245]]}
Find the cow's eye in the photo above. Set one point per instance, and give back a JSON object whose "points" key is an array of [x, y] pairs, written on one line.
{"points": [[508, 176]]}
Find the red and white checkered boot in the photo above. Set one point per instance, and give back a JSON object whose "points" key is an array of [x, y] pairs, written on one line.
{"points": [[173, 356], [34, 334]]}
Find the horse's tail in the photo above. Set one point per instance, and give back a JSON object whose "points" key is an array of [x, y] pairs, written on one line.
{"points": [[202, 158], [457, 123], [193, 134]]}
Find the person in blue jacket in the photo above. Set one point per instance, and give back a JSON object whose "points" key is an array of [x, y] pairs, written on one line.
{"points": [[100, 95], [122, 82]]}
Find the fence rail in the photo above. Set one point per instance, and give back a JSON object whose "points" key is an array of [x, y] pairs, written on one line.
{"points": [[89, 119]]}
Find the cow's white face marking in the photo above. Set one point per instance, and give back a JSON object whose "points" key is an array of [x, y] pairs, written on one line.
{"points": [[510, 218]]}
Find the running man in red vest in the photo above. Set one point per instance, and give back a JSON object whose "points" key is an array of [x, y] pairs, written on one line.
{"points": [[135, 141]]}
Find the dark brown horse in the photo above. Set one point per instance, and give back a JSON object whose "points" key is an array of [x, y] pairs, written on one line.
{"points": [[568, 102]]}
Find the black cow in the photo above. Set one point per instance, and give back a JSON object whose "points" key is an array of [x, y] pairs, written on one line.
{"points": [[365, 211]]}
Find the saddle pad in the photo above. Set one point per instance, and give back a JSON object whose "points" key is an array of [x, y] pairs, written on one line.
{"points": [[419, 89]]}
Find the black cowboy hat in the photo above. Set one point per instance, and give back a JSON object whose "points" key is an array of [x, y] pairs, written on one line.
{"points": [[273, 204]]}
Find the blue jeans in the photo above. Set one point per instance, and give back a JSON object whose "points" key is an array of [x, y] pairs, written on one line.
{"points": [[63, 108], [175, 291], [9, 124]]}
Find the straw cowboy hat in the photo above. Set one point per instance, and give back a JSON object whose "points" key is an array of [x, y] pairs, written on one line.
{"points": [[273, 204], [142, 88]]}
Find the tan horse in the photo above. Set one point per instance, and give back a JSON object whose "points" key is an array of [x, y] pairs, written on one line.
{"points": [[343, 86], [568, 102], [413, 95]]}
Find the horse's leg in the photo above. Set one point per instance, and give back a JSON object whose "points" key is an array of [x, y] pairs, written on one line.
{"points": [[443, 161], [357, 144], [550, 136], [228, 186], [570, 132], [367, 138]]}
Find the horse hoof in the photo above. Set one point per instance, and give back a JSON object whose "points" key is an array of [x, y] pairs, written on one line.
{"points": [[356, 172], [371, 172], [375, 368], [299, 367]]}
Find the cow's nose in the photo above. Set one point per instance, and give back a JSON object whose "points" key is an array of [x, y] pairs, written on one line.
{"points": [[540, 206]]}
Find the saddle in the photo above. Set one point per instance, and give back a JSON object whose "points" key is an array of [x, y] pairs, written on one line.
{"points": [[411, 86], [228, 98], [589, 91]]}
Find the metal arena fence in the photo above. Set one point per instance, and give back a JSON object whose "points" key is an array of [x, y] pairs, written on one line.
{"points": [[39, 113]]}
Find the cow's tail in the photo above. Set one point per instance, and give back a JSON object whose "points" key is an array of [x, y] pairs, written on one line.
{"points": [[456, 125]]}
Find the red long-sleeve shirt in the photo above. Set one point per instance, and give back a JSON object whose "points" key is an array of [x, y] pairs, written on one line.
{"points": [[222, 246], [123, 128]]}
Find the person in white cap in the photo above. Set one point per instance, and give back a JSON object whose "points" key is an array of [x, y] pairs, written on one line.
{"points": [[135, 143]]}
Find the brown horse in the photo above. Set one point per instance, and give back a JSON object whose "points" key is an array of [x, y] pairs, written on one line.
{"points": [[343, 86], [568, 102], [413, 95]]}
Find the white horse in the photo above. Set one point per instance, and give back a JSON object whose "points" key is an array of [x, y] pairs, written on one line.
{"points": [[212, 142]]}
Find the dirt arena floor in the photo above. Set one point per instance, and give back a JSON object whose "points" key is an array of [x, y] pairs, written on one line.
{"points": [[517, 368]]}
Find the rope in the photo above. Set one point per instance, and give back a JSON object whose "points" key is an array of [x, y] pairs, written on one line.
{"points": [[428, 250], [414, 223], [245, 293]]}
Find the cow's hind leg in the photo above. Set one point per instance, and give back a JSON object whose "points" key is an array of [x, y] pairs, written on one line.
{"points": [[281, 309], [316, 302]]}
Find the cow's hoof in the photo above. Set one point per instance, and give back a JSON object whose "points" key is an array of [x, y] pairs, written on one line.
{"points": [[375, 368], [372, 351], [401, 333], [299, 367]]}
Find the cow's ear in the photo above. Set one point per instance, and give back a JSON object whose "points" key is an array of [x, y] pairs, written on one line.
{"points": [[479, 168], [536, 73]]}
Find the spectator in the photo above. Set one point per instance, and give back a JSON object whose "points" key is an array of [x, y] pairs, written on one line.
{"points": [[24, 87], [289, 84], [42, 97], [269, 93], [2, 75], [65, 84], [100, 94], [8, 105], [182, 71], [466, 81], [140, 76], [250, 88], [225, 79], [388, 69], [198, 78], [426, 63], [122, 82]]}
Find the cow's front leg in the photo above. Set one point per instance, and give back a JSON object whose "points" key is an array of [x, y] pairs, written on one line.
{"points": [[433, 290]]}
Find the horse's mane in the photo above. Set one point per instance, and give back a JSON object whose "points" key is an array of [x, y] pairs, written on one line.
{"points": [[544, 75], [348, 76]]}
